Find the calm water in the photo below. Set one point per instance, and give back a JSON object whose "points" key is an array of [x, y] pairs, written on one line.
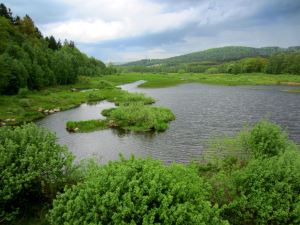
{"points": [[202, 112]]}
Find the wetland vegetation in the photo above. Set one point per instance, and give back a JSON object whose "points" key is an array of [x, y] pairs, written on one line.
{"points": [[252, 178]]}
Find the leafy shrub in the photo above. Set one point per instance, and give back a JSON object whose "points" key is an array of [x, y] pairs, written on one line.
{"points": [[32, 167], [267, 191], [212, 70], [267, 139], [136, 192], [255, 176]]}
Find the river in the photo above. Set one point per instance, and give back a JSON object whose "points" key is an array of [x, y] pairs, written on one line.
{"points": [[202, 112]]}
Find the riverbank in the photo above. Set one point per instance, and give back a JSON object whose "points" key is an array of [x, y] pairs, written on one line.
{"points": [[32, 105], [172, 79]]}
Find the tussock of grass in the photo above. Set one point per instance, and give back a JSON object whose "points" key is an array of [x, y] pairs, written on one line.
{"points": [[86, 126], [140, 118]]}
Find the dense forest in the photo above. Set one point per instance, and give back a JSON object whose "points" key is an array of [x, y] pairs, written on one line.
{"points": [[29, 60], [231, 59]]}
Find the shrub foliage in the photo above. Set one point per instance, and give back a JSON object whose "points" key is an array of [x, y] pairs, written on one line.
{"points": [[136, 192], [32, 167]]}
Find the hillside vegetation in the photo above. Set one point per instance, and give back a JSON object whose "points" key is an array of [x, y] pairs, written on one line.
{"points": [[30, 61], [231, 59]]}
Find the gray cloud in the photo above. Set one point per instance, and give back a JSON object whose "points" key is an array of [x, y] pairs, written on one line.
{"points": [[217, 23]]}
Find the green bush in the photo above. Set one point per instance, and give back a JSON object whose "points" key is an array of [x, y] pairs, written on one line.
{"points": [[136, 192], [255, 176], [267, 191], [212, 70], [33, 167], [267, 139]]}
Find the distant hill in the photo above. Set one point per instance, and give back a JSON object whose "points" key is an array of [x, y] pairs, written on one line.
{"points": [[222, 54]]}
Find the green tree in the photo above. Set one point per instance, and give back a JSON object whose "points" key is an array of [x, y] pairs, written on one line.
{"points": [[6, 12], [13, 75], [52, 43]]}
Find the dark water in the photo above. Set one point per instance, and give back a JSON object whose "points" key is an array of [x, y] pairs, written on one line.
{"points": [[202, 112]]}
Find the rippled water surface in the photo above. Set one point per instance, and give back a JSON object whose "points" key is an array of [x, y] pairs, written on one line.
{"points": [[202, 111]]}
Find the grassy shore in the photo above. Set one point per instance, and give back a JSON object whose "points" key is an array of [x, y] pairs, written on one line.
{"points": [[32, 105], [166, 80]]}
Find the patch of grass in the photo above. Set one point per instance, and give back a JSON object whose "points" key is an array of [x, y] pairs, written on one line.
{"points": [[140, 118], [86, 126], [19, 109], [134, 117]]}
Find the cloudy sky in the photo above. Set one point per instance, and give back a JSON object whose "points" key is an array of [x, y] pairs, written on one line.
{"points": [[126, 30]]}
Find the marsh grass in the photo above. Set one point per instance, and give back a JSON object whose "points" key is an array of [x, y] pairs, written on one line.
{"points": [[62, 97], [133, 117], [86, 126], [31, 108], [140, 118]]}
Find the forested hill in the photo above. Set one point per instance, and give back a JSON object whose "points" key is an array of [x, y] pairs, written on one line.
{"points": [[223, 54], [29, 60]]}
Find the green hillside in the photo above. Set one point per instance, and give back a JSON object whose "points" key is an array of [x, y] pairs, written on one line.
{"points": [[223, 54]]}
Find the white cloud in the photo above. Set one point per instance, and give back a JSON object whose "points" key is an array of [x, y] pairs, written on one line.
{"points": [[203, 24], [109, 20]]}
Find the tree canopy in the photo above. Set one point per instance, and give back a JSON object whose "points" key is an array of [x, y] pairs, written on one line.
{"points": [[30, 60]]}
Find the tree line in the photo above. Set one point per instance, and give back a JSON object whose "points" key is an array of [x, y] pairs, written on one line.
{"points": [[279, 63], [29, 60]]}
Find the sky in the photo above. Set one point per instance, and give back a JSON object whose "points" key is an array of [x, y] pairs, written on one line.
{"points": [[128, 30]]}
